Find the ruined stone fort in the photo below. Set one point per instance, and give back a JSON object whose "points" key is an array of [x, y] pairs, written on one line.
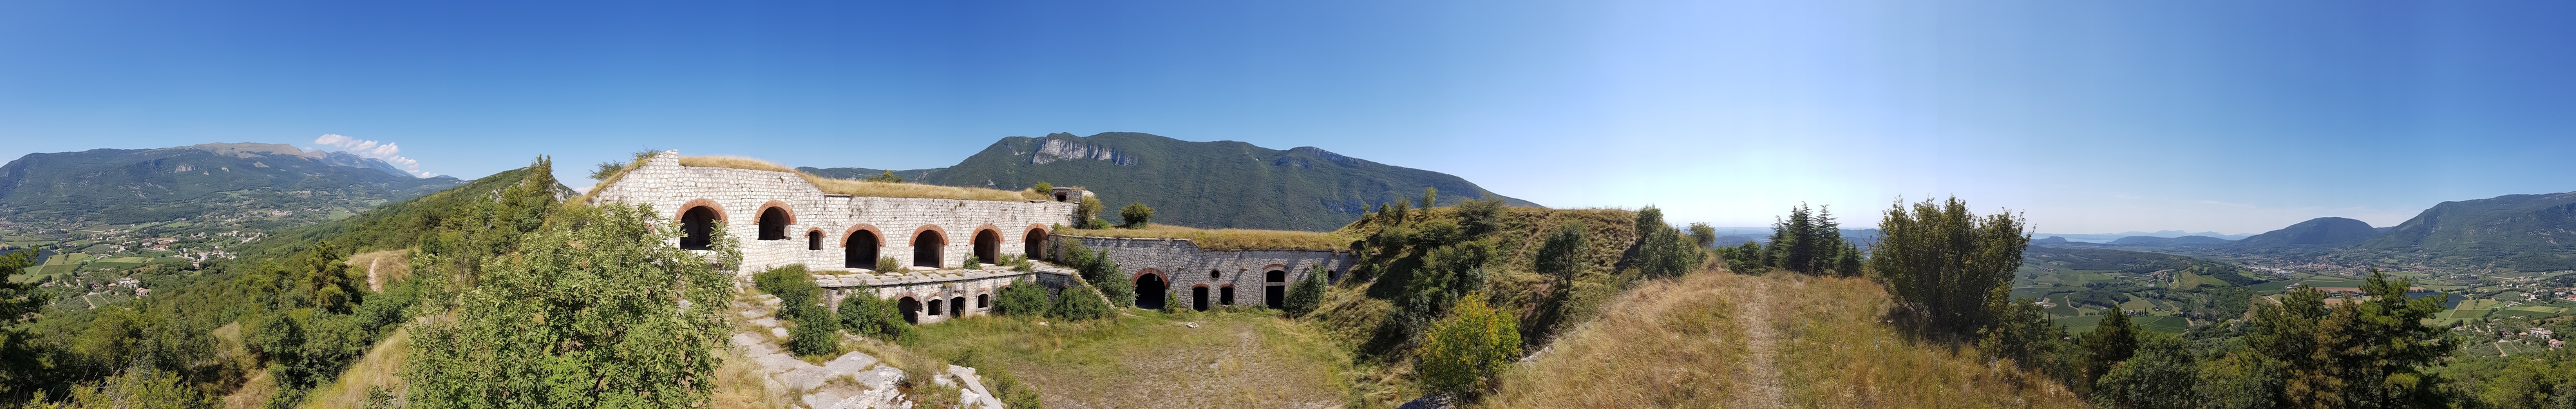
{"points": [[781, 218]]}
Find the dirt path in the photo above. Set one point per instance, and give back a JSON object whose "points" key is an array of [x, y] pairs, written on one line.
{"points": [[1760, 318]]}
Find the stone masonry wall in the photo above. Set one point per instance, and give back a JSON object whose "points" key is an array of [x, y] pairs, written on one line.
{"points": [[1185, 266], [740, 195]]}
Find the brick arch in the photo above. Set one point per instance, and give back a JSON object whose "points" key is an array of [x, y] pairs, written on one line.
{"points": [[1280, 267], [916, 234], [683, 211], [1040, 227], [854, 230], [1140, 273], [782, 209]]}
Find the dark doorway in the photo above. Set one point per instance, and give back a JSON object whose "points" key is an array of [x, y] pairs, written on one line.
{"points": [[957, 307], [1275, 294], [1198, 298], [988, 247], [1150, 291], [935, 304], [1033, 245], [911, 310], [983, 301], [813, 240], [925, 248], [696, 225], [860, 250], [773, 223], [1225, 295]]}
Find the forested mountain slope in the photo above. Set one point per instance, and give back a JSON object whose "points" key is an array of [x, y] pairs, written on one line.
{"points": [[1221, 184], [222, 180]]}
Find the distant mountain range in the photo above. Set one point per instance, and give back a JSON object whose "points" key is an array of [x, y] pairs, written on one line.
{"points": [[229, 181], [2322, 232], [2109, 237], [1222, 184], [2524, 232]]}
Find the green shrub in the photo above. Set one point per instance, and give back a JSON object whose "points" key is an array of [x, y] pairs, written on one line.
{"points": [[1080, 302], [889, 264], [1088, 211], [1307, 293], [1136, 215], [873, 317], [793, 286], [1460, 355], [1042, 188], [815, 332], [971, 264], [1021, 299]]}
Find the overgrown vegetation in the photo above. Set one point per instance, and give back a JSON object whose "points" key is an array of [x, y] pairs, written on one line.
{"points": [[816, 330], [1227, 239], [868, 316], [1463, 354]]}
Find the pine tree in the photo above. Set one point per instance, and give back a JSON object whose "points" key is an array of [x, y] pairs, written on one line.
{"points": [[1944, 265]]}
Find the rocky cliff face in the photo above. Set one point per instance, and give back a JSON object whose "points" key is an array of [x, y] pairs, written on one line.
{"points": [[1051, 150]]}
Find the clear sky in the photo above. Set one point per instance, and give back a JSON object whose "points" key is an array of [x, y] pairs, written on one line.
{"points": [[2093, 116]]}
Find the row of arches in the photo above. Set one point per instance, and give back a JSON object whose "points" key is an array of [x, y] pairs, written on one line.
{"points": [[914, 310], [861, 246], [1151, 284]]}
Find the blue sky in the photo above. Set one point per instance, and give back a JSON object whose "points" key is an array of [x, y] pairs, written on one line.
{"points": [[2089, 116]]}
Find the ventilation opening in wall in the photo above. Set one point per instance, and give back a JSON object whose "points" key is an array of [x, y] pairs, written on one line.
{"points": [[813, 240]]}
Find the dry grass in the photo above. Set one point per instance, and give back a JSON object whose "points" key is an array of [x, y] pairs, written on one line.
{"points": [[1839, 352], [735, 162], [1724, 340], [864, 188], [1228, 239], [381, 368], [382, 267], [1678, 344], [739, 385], [237, 362], [916, 190], [1151, 359]]}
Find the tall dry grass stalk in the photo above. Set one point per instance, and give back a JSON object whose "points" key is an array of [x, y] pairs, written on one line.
{"points": [[1228, 239]]}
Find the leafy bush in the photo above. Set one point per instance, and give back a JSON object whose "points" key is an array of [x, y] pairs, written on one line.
{"points": [[1042, 188], [792, 284], [1462, 354], [873, 317], [1088, 211], [1307, 294], [1135, 215], [816, 333], [972, 264], [1944, 264], [889, 264], [1021, 299], [1080, 302]]}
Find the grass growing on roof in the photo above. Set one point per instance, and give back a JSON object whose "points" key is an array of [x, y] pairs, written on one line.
{"points": [[1227, 239], [864, 188]]}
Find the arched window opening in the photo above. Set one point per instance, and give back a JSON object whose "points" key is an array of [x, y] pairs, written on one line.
{"points": [[1150, 291], [925, 248], [911, 310], [697, 226], [957, 306], [934, 306], [813, 240], [773, 223], [988, 247], [860, 250], [983, 301]]}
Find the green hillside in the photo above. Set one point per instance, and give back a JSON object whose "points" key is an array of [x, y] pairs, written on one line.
{"points": [[2322, 232], [1221, 184], [2523, 232], [262, 181]]}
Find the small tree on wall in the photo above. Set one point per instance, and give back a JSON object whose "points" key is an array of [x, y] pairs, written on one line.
{"points": [[1088, 214], [1136, 215]]}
